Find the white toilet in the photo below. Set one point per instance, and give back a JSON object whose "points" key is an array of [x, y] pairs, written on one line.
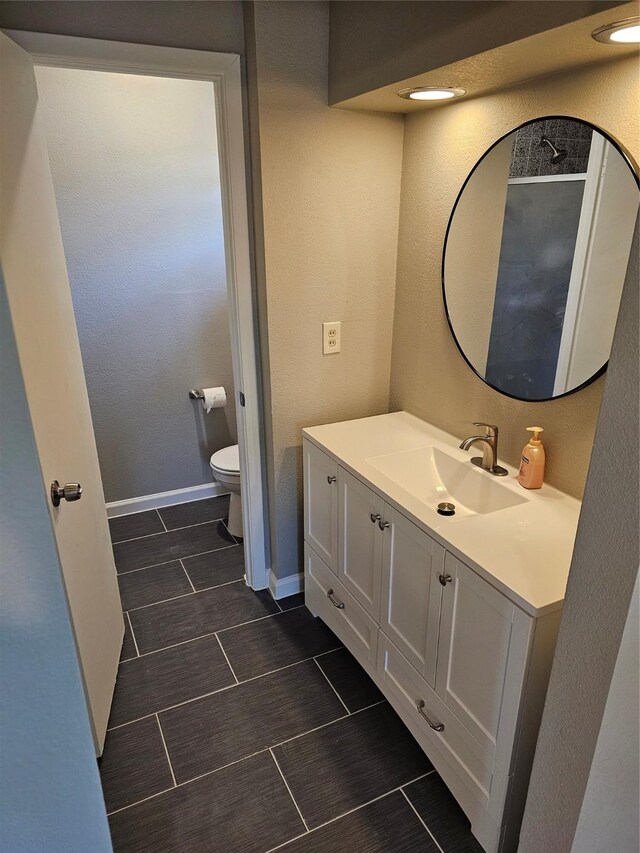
{"points": [[225, 466]]}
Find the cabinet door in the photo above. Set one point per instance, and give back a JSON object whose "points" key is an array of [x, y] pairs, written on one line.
{"points": [[411, 592], [320, 503], [482, 655], [359, 540]]}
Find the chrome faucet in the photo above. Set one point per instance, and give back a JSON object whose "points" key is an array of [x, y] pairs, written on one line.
{"points": [[489, 459]]}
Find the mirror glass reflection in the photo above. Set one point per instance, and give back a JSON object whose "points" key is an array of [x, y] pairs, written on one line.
{"points": [[536, 255]]}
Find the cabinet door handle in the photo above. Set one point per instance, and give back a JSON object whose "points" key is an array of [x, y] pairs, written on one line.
{"points": [[334, 600], [437, 727], [445, 579], [374, 517], [383, 524], [330, 479]]}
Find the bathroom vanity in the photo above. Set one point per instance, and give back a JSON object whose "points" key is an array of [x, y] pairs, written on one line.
{"points": [[454, 617]]}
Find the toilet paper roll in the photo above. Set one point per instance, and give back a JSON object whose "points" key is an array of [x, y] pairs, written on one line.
{"points": [[214, 398]]}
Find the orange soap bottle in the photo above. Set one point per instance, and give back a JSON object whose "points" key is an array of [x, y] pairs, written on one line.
{"points": [[531, 473]]}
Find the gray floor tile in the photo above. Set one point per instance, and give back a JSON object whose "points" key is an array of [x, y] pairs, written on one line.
{"points": [[446, 821], [290, 601], [201, 613], [195, 512], [128, 646], [216, 567], [164, 547], [214, 731], [240, 809], [135, 525], [152, 682], [134, 764], [263, 646], [387, 826], [351, 682], [148, 586], [350, 762]]}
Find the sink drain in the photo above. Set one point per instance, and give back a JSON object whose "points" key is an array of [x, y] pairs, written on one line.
{"points": [[447, 508]]}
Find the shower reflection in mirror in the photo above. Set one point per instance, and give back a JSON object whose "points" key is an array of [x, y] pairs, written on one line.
{"points": [[535, 257]]}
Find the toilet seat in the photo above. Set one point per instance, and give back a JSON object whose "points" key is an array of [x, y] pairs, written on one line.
{"points": [[226, 460]]}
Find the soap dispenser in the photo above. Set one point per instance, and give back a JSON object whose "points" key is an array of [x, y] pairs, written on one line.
{"points": [[531, 473]]}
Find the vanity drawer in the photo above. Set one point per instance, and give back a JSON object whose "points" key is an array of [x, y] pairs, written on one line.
{"points": [[328, 598], [404, 687]]}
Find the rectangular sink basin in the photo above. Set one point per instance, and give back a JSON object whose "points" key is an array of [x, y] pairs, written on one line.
{"points": [[434, 476]]}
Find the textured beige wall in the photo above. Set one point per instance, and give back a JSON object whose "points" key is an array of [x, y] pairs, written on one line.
{"points": [[330, 200], [428, 376]]}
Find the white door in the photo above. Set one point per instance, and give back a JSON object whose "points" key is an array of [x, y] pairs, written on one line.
{"points": [[320, 503], [482, 653], [412, 566], [37, 286], [360, 526]]}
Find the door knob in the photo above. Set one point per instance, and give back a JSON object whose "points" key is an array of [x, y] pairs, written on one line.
{"points": [[70, 492]]}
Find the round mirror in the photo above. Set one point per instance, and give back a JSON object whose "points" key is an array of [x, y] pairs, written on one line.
{"points": [[535, 257]]}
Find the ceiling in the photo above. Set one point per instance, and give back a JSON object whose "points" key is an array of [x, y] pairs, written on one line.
{"points": [[550, 52]]}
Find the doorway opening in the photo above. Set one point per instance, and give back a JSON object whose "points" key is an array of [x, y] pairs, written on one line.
{"points": [[147, 155], [135, 171]]}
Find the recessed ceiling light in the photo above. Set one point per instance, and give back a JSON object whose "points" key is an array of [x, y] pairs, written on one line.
{"points": [[431, 93], [621, 32]]}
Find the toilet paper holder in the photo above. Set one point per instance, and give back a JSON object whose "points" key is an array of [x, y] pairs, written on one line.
{"points": [[196, 394]]}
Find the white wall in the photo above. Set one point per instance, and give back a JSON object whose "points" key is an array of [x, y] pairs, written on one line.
{"points": [[604, 569], [610, 816], [135, 170], [50, 794]]}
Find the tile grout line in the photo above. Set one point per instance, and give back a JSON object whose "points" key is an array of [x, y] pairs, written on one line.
{"points": [[227, 687], [226, 658], [405, 795], [209, 633], [170, 529], [166, 751], [259, 752], [175, 559], [188, 782], [184, 594], [188, 578], [352, 811], [166, 529], [135, 642], [286, 784], [331, 686]]}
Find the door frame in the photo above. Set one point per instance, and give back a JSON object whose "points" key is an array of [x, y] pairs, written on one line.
{"points": [[224, 71]]}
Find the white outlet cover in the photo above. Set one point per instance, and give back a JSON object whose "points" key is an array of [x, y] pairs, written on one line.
{"points": [[331, 338]]}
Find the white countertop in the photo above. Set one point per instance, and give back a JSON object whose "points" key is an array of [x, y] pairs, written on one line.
{"points": [[524, 551]]}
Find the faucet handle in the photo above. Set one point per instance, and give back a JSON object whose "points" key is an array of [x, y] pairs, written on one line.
{"points": [[492, 429]]}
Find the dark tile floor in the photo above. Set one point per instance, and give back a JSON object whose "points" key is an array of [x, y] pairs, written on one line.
{"points": [[242, 725]]}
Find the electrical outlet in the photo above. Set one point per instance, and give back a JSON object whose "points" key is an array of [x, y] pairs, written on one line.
{"points": [[330, 338]]}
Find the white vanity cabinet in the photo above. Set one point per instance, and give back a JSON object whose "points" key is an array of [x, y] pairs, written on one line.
{"points": [[321, 503], [465, 667]]}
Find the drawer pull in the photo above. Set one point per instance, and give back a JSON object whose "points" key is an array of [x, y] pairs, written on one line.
{"points": [[383, 524], [375, 517], [437, 727], [334, 600], [445, 579], [330, 479]]}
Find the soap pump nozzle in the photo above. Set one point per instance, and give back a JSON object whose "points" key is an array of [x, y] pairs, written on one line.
{"points": [[535, 439]]}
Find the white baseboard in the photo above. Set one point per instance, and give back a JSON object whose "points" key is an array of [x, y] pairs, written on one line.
{"points": [[177, 496], [283, 587]]}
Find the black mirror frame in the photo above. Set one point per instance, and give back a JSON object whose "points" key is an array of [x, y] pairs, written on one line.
{"points": [[634, 171]]}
